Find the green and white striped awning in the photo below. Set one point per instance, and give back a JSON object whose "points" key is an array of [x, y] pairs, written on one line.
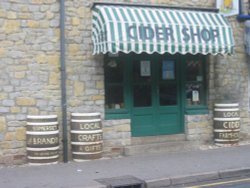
{"points": [[118, 28]]}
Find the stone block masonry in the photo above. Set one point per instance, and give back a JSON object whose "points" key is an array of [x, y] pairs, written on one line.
{"points": [[30, 73], [116, 136], [29, 70], [199, 128]]}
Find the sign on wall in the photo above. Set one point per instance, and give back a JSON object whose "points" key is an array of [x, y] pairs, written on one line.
{"points": [[228, 7]]}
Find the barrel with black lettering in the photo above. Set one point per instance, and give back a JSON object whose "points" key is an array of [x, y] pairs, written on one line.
{"points": [[42, 139], [86, 136], [226, 124]]}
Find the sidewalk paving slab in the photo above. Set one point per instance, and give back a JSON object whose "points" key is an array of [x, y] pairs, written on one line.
{"points": [[157, 170]]}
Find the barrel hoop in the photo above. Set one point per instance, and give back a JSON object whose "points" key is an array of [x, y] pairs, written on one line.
{"points": [[81, 160], [39, 164], [227, 119], [42, 123], [85, 143], [42, 117], [85, 132], [50, 157], [226, 130], [226, 109], [86, 114], [43, 149], [85, 120], [226, 145], [42, 133], [86, 153], [227, 105], [226, 140]]}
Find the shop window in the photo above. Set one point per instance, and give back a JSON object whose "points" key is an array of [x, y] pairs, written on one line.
{"points": [[195, 82], [114, 89]]}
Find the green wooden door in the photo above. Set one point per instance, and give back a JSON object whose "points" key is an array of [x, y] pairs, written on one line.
{"points": [[155, 95]]}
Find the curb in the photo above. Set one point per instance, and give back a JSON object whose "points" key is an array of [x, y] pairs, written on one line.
{"points": [[234, 172], [195, 178]]}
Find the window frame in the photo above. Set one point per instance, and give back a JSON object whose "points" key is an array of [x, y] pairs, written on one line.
{"points": [[125, 113], [201, 108], [122, 113]]}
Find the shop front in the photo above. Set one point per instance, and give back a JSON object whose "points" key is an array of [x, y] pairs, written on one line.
{"points": [[155, 91], [153, 71], [155, 63]]}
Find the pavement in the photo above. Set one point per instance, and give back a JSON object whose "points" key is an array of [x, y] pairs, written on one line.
{"points": [[156, 170]]}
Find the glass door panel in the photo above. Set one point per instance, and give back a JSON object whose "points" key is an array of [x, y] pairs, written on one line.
{"points": [[167, 88], [142, 95], [142, 89], [168, 94]]}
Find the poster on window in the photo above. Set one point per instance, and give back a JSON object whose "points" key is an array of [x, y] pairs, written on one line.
{"points": [[145, 68], [195, 96], [228, 7], [168, 72]]}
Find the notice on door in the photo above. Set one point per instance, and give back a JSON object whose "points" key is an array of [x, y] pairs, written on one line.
{"points": [[145, 68], [168, 72]]}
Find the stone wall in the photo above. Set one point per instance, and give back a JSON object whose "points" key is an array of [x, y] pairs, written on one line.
{"points": [[30, 73], [231, 76], [29, 70], [199, 128], [227, 81], [117, 135]]}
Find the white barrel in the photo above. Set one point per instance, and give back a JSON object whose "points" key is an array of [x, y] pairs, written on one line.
{"points": [[42, 139], [86, 136], [226, 124]]}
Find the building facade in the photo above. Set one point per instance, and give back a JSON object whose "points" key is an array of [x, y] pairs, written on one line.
{"points": [[181, 91]]}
